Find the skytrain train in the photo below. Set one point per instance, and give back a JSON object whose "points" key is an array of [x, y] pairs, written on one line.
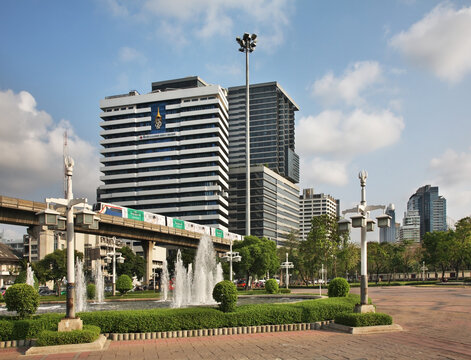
{"points": [[139, 215]]}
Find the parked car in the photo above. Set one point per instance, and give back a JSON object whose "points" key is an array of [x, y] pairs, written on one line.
{"points": [[241, 283], [44, 290]]}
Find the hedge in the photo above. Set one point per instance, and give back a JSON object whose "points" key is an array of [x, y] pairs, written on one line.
{"points": [[12, 329], [365, 319], [155, 320], [135, 321], [89, 334]]}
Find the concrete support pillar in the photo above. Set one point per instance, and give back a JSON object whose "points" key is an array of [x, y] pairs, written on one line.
{"points": [[148, 247]]}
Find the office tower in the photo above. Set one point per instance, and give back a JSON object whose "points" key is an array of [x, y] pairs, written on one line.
{"points": [[410, 229], [274, 204], [389, 234], [271, 129], [311, 205], [431, 208], [167, 151]]}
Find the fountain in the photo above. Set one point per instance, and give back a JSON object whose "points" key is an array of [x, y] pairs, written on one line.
{"points": [[164, 281], [196, 287], [29, 276], [80, 287], [99, 284]]}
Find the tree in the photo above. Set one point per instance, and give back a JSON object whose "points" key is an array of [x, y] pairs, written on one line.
{"points": [[377, 258], [436, 250], [133, 264], [321, 246], [462, 244], [54, 266], [258, 256], [124, 284]]}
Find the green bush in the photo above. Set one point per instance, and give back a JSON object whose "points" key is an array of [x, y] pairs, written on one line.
{"points": [[338, 287], [91, 291], [124, 284], [12, 329], [366, 319], [225, 293], [284, 291], [271, 286], [89, 334], [23, 299], [21, 279]]}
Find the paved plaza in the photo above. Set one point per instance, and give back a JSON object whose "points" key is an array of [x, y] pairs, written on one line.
{"points": [[436, 322]]}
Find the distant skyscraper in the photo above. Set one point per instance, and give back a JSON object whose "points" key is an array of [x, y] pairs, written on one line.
{"points": [[389, 234], [271, 129], [167, 152], [410, 229], [431, 208], [311, 205], [274, 203]]}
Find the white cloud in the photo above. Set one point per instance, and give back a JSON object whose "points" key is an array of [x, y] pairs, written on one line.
{"points": [[321, 171], [440, 42], [207, 18], [339, 134], [452, 171], [128, 54], [31, 152], [356, 79]]}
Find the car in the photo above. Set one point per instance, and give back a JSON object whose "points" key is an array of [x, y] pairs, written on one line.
{"points": [[44, 290], [241, 283]]}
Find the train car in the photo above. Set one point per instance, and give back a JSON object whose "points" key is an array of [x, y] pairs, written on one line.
{"points": [[110, 209], [154, 218]]}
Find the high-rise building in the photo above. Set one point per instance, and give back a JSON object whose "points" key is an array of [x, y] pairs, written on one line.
{"points": [[431, 208], [389, 234], [310, 205], [274, 203], [167, 151], [410, 229], [271, 129]]}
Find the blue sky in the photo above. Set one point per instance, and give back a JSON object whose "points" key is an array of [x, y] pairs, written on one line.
{"points": [[381, 85]]}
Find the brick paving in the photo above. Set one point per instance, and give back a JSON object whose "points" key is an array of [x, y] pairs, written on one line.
{"points": [[436, 322]]}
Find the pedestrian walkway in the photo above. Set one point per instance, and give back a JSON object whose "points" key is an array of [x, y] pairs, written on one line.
{"points": [[436, 320]]}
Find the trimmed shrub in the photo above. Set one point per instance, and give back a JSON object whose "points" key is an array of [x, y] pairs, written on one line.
{"points": [[271, 286], [12, 329], [23, 299], [89, 334], [91, 291], [21, 279], [124, 284], [284, 291], [225, 293], [338, 287], [366, 319]]}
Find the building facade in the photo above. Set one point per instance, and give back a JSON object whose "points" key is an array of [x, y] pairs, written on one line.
{"points": [[431, 207], [166, 151], [410, 229], [272, 135], [274, 204], [310, 205], [389, 234]]}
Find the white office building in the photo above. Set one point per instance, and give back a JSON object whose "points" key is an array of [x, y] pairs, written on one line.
{"points": [[167, 151], [311, 205], [410, 229]]}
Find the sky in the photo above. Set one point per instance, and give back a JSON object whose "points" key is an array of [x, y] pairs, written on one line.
{"points": [[381, 85]]}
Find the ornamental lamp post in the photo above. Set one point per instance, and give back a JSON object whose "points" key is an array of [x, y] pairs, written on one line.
{"points": [[52, 218], [231, 257], [111, 257], [287, 265], [362, 220], [247, 45]]}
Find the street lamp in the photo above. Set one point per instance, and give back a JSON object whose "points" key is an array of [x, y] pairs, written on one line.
{"points": [[287, 265], [247, 44], [111, 258], [362, 220], [231, 257], [85, 218]]}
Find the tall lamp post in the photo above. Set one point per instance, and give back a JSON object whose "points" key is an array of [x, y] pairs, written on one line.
{"points": [[247, 44], [287, 265], [84, 218], [231, 257], [112, 257], [362, 220]]}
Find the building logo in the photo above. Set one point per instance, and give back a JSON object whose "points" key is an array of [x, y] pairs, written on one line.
{"points": [[158, 120]]}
